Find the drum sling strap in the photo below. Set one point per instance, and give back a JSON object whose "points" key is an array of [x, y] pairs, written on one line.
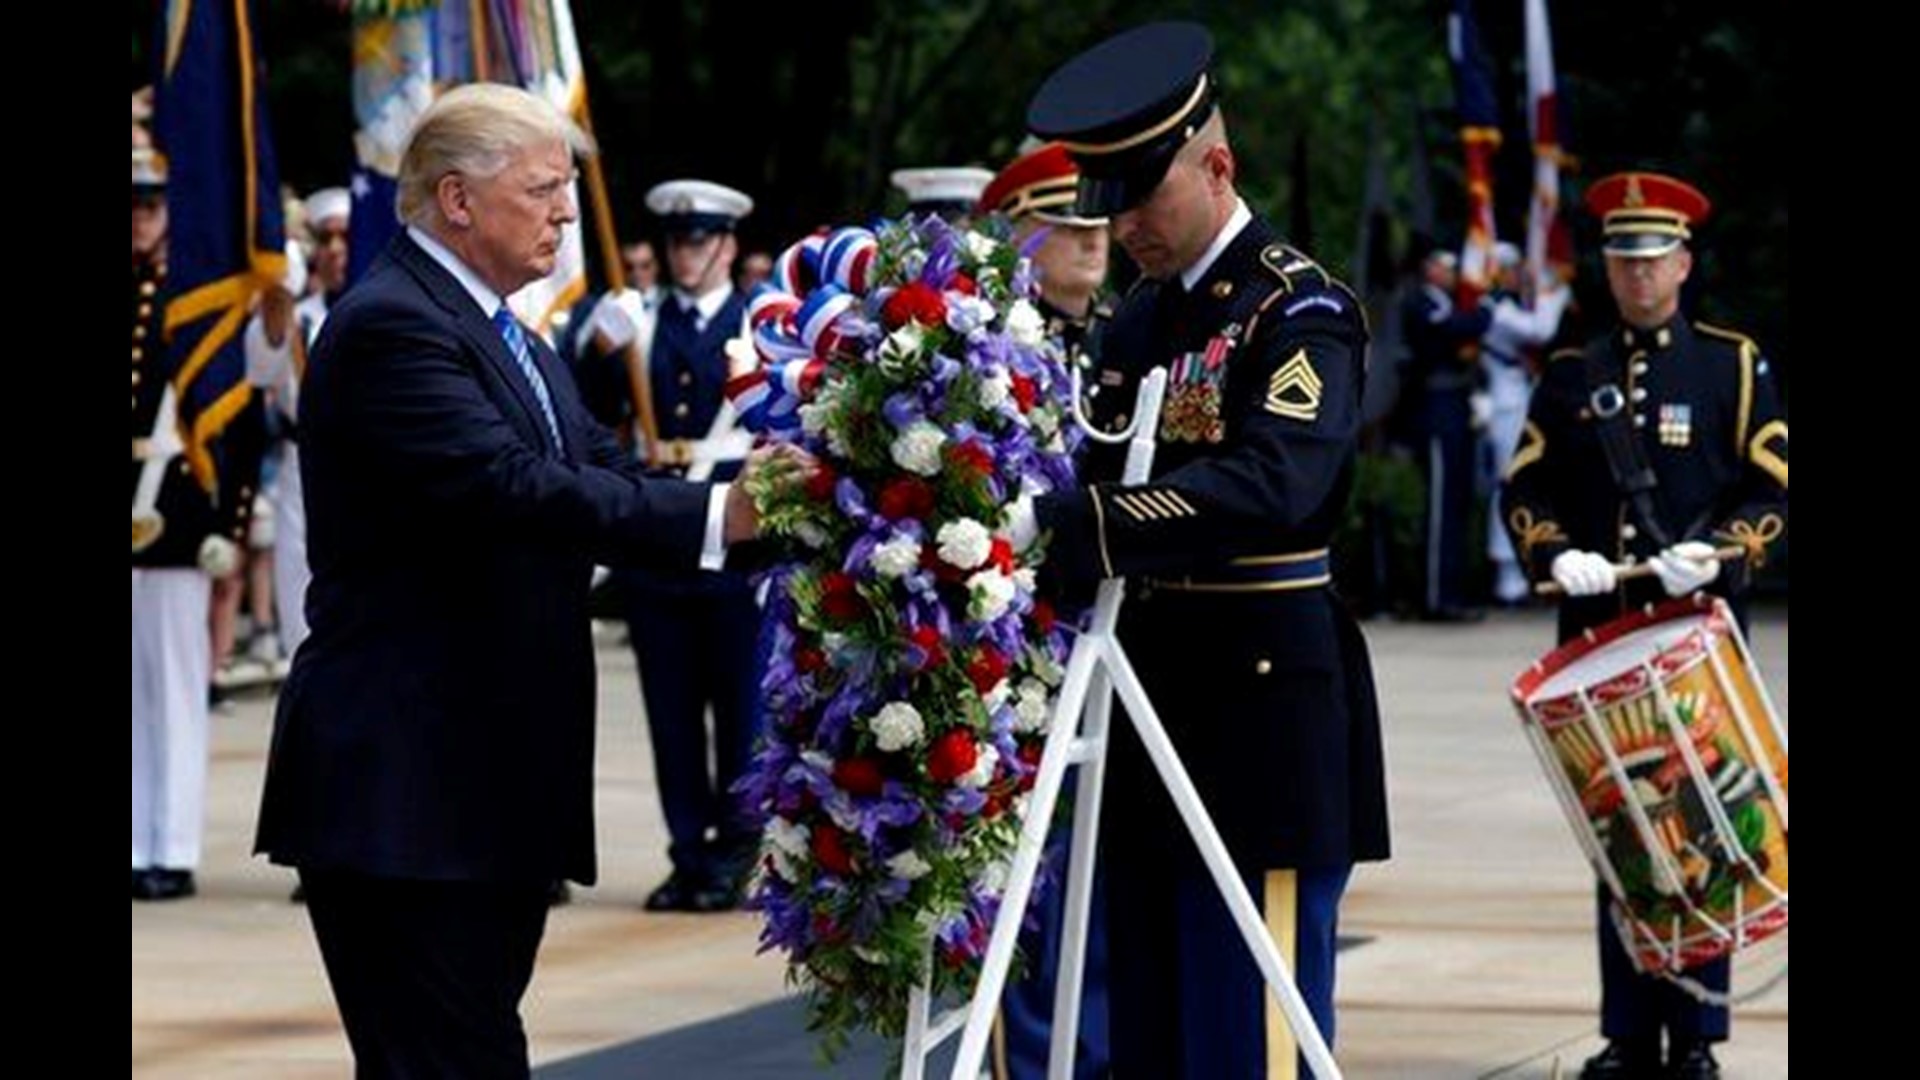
{"points": [[1626, 458]]}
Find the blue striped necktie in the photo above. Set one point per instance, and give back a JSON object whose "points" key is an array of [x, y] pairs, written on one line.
{"points": [[517, 344]]}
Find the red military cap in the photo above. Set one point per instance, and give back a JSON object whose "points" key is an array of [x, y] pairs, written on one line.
{"points": [[1043, 183], [1645, 215]]}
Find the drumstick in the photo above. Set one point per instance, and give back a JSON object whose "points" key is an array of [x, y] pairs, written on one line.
{"points": [[1624, 572]]}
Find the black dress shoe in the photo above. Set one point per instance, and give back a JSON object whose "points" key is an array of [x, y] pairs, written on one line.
{"points": [[140, 884], [160, 883], [1624, 1061], [1692, 1061], [559, 894]]}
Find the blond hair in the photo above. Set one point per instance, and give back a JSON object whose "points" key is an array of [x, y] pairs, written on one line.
{"points": [[475, 129]]}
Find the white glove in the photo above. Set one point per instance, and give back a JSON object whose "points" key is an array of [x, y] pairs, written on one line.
{"points": [[219, 556], [1583, 573], [1481, 404], [1686, 568], [610, 325]]}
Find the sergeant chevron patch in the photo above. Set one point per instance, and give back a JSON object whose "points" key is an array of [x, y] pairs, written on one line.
{"points": [[1294, 391]]}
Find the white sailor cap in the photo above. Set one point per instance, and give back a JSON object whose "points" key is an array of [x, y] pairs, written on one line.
{"points": [[943, 190], [327, 203], [695, 208]]}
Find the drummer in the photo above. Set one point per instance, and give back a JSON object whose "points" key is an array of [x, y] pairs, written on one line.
{"points": [[1660, 446]]}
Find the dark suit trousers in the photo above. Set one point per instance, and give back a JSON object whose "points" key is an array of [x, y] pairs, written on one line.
{"points": [[1635, 1007], [428, 975]]}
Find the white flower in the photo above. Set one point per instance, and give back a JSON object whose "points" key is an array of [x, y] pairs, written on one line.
{"points": [[997, 696], [1025, 325], [897, 727], [1030, 711], [1046, 424], [965, 543], [996, 386], [990, 593], [965, 314], [982, 772], [787, 837], [896, 558], [917, 450], [993, 877], [902, 347], [871, 956], [908, 866], [981, 247], [1026, 580]]}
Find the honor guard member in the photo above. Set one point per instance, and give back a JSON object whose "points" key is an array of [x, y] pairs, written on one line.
{"points": [[1444, 377], [1658, 443], [1037, 193], [1506, 352], [183, 537], [947, 192], [695, 635], [277, 340], [1256, 669]]}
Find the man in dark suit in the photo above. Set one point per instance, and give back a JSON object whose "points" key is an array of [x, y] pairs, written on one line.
{"points": [[1258, 672], [432, 760]]}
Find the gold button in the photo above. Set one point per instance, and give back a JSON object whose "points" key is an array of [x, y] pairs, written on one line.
{"points": [[1628, 532], [1639, 393], [136, 378], [140, 332], [1640, 368], [146, 288], [1120, 421], [146, 311], [138, 354], [136, 402], [1222, 290], [1263, 666], [686, 378], [681, 410], [1639, 421]]}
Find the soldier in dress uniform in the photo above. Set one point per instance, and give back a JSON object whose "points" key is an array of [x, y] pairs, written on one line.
{"points": [[948, 192], [1037, 193], [1659, 442], [696, 635], [1443, 379], [183, 537], [276, 344], [1258, 672]]}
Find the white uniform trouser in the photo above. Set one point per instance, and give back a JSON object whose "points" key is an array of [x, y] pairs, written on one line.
{"points": [[172, 668], [290, 573], [1509, 389]]}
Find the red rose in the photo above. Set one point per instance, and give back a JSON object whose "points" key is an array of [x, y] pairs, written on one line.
{"points": [[1026, 392], [1001, 554], [988, 668], [906, 497], [917, 302], [860, 776], [1029, 754], [996, 805], [830, 850], [970, 456], [963, 285], [840, 597], [953, 755], [927, 638], [1044, 616], [819, 486]]}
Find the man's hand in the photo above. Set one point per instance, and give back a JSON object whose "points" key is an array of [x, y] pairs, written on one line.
{"points": [[769, 473], [276, 315], [1583, 573], [1686, 568]]}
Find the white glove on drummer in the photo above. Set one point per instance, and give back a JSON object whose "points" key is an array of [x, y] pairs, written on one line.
{"points": [[1583, 573], [1686, 568]]}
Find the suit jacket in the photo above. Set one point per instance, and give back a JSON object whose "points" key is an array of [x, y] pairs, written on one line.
{"points": [[439, 722]]}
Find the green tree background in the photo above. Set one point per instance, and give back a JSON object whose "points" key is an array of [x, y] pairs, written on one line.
{"points": [[809, 107]]}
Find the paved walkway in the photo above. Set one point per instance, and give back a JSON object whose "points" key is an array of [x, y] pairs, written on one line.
{"points": [[1479, 964]]}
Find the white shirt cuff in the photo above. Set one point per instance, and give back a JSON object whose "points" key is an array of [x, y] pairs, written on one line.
{"points": [[713, 550]]}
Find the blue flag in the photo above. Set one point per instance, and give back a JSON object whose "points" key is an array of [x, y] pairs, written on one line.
{"points": [[226, 240]]}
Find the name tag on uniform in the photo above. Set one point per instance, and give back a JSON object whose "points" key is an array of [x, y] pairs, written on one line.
{"points": [[1196, 386]]}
